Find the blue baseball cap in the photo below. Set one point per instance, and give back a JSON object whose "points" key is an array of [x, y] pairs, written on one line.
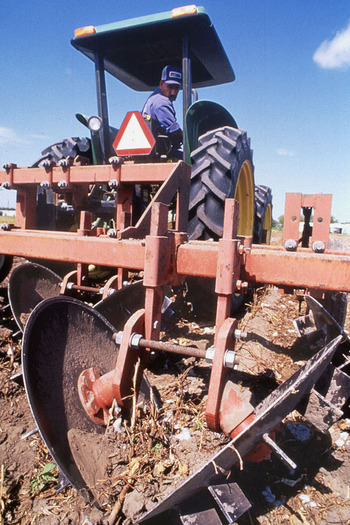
{"points": [[172, 75]]}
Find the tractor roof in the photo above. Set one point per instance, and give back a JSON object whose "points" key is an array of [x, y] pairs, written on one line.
{"points": [[136, 50]]}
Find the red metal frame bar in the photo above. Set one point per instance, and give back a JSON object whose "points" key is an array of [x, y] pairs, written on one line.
{"points": [[321, 204], [176, 183], [302, 269], [166, 257], [127, 173]]}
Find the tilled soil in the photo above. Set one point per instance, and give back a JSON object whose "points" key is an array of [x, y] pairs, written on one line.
{"points": [[137, 462]]}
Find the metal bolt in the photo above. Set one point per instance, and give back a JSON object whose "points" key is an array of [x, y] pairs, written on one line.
{"points": [[63, 163], [238, 334], [318, 246], [230, 359], [62, 185], [291, 245], [135, 340], [6, 185], [242, 285], [112, 233], [45, 184], [113, 184], [209, 355], [117, 338], [47, 164], [115, 160], [244, 249]]}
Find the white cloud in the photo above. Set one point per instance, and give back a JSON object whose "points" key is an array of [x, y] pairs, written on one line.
{"points": [[335, 53], [8, 137], [285, 152]]}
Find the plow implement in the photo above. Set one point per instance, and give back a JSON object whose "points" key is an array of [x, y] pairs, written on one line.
{"points": [[86, 345], [112, 228]]}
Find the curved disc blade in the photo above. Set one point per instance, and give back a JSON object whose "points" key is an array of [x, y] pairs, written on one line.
{"points": [[120, 305], [29, 284], [63, 337], [323, 319]]}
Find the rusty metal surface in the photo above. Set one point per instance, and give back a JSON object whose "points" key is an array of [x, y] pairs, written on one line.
{"points": [[127, 173], [224, 340], [321, 204], [124, 373], [302, 269], [59, 246]]}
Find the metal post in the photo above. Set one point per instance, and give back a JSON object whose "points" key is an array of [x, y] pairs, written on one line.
{"points": [[102, 105], [186, 86]]}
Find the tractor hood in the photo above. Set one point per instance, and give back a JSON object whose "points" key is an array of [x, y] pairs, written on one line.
{"points": [[136, 50]]}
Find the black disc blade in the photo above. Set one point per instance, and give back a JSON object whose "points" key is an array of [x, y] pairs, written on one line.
{"points": [[63, 337], [120, 305], [29, 284]]}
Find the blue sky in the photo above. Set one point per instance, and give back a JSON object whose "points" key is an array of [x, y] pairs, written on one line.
{"points": [[291, 94]]}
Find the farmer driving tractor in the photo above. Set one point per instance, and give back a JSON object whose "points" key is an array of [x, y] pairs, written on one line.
{"points": [[159, 109]]}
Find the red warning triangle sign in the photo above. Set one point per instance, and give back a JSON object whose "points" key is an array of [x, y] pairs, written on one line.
{"points": [[134, 136]]}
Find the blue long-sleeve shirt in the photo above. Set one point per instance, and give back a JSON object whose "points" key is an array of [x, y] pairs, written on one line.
{"points": [[160, 109]]}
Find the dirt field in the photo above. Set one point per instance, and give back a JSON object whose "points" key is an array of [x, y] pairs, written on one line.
{"points": [[172, 441]]}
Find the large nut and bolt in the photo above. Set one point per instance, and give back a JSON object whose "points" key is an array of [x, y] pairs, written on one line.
{"points": [[318, 246], [47, 164], [112, 233], [291, 245], [62, 185]]}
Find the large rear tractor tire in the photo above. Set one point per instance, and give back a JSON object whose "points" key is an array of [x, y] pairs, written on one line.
{"points": [[70, 147], [222, 168], [263, 215]]}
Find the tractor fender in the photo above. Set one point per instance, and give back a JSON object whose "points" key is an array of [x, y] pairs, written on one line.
{"points": [[203, 116]]}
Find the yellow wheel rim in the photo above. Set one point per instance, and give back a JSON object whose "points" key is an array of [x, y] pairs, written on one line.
{"points": [[244, 194], [267, 225]]}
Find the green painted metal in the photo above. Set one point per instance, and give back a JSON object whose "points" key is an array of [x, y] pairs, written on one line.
{"points": [[204, 116], [95, 138], [136, 50]]}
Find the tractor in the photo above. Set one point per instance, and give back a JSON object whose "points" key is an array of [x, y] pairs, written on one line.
{"points": [[87, 339]]}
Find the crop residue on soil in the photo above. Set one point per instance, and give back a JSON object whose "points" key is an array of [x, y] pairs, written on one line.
{"points": [[136, 462]]}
